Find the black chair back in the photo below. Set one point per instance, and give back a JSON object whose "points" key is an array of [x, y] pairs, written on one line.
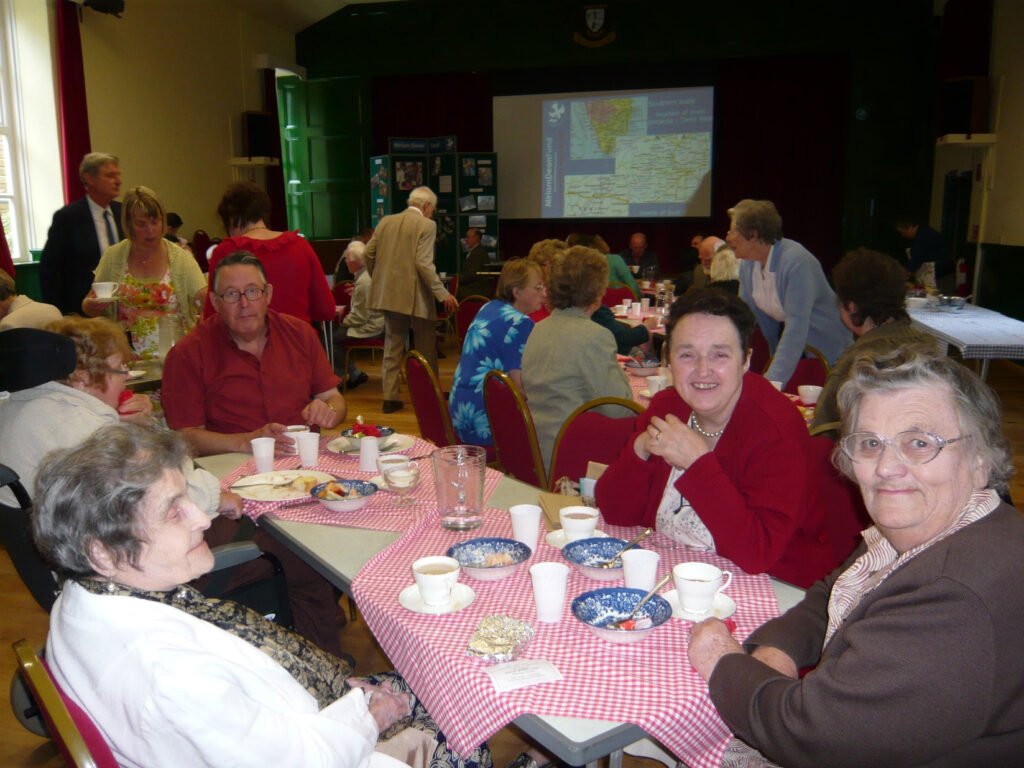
{"points": [[16, 535], [30, 357]]}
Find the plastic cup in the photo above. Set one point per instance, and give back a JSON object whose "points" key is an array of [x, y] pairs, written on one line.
{"points": [[549, 583], [525, 524], [292, 432], [588, 487], [309, 449], [640, 568], [697, 584], [368, 453], [263, 453]]}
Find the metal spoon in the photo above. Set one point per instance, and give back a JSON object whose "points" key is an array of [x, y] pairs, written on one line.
{"points": [[610, 562], [275, 484], [643, 601]]}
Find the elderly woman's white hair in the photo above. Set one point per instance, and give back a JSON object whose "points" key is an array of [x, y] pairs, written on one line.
{"points": [[917, 365], [421, 196]]}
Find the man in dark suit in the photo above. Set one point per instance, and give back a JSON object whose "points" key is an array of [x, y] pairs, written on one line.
{"points": [[470, 283], [81, 231]]}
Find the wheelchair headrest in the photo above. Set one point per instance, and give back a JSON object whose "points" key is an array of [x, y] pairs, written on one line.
{"points": [[30, 357]]}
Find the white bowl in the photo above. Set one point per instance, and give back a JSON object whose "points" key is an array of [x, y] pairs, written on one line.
{"points": [[363, 488], [916, 302], [809, 393], [474, 554], [601, 606], [595, 550]]}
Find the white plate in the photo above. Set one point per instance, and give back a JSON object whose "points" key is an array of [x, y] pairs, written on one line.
{"points": [[722, 608], [462, 596], [645, 393], [633, 370], [557, 538], [281, 492], [135, 374], [396, 442]]}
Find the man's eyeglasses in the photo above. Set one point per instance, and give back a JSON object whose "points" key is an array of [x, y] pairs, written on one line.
{"points": [[233, 295], [912, 446]]}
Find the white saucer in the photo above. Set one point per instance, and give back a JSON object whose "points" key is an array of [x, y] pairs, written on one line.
{"points": [[462, 596], [557, 538], [722, 608]]}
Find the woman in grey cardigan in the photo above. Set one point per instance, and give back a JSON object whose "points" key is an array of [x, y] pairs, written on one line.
{"points": [[785, 285], [569, 359]]}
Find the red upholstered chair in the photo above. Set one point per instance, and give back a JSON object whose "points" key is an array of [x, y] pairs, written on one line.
{"points": [[586, 437], [515, 437], [616, 293], [464, 315], [201, 243], [839, 499], [342, 295], [809, 370], [75, 734], [760, 354], [428, 401]]}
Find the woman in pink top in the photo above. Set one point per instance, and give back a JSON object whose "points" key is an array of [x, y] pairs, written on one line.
{"points": [[300, 286]]}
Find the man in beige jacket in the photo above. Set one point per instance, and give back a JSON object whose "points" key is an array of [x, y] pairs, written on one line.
{"points": [[400, 259]]}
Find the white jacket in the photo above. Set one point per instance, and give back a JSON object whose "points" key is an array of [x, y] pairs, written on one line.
{"points": [[168, 689]]}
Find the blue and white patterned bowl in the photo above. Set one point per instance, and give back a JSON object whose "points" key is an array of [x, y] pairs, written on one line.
{"points": [[600, 607], [363, 488], [475, 555], [584, 554]]}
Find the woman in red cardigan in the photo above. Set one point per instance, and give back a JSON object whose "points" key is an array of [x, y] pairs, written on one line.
{"points": [[721, 461]]}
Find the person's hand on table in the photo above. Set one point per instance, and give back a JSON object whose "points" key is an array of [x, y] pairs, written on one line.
{"points": [[230, 505], [386, 706], [450, 303], [318, 413], [650, 323], [673, 440], [271, 429], [134, 408], [710, 640]]}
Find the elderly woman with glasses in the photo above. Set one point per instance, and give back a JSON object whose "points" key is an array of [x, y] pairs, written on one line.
{"points": [[173, 678], [914, 644]]}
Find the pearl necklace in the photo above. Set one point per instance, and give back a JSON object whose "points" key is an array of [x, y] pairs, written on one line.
{"points": [[696, 427]]}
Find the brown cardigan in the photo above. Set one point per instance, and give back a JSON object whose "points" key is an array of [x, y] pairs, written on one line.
{"points": [[927, 671]]}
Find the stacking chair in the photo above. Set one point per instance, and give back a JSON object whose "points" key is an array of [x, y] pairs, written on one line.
{"points": [[446, 319], [760, 354], [587, 436], [616, 293], [515, 437], [464, 315], [428, 401], [76, 735]]}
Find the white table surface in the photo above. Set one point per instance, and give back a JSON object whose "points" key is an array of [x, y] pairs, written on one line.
{"points": [[339, 553], [978, 333]]}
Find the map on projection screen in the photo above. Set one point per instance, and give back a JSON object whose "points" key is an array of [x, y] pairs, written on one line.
{"points": [[630, 155]]}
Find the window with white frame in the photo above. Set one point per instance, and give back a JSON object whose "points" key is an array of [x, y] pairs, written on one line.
{"points": [[12, 214]]}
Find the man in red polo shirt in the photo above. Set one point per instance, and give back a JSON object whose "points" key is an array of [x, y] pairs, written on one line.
{"points": [[247, 371]]}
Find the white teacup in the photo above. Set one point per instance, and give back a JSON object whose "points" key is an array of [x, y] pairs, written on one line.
{"points": [[436, 576], [105, 290], [578, 522], [809, 393], [697, 584]]}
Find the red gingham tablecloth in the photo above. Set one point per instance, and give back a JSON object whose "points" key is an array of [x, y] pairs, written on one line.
{"points": [[381, 513], [650, 683]]}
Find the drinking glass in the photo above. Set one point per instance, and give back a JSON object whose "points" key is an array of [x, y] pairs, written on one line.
{"points": [[401, 475]]}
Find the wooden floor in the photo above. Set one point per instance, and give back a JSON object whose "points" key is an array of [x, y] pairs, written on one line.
{"points": [[23, 618]]}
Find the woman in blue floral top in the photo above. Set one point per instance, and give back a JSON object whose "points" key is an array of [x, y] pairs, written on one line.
{"points": [[495, 339]]}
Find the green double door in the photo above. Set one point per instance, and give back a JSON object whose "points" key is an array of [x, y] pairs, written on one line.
{"points": [[325, 132]]}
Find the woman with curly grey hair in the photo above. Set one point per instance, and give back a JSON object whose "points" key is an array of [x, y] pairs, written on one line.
{"points": [[914, 641], [568, 359]]}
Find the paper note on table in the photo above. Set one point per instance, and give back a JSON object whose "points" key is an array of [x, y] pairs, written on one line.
{"points": [[522, 674]]}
